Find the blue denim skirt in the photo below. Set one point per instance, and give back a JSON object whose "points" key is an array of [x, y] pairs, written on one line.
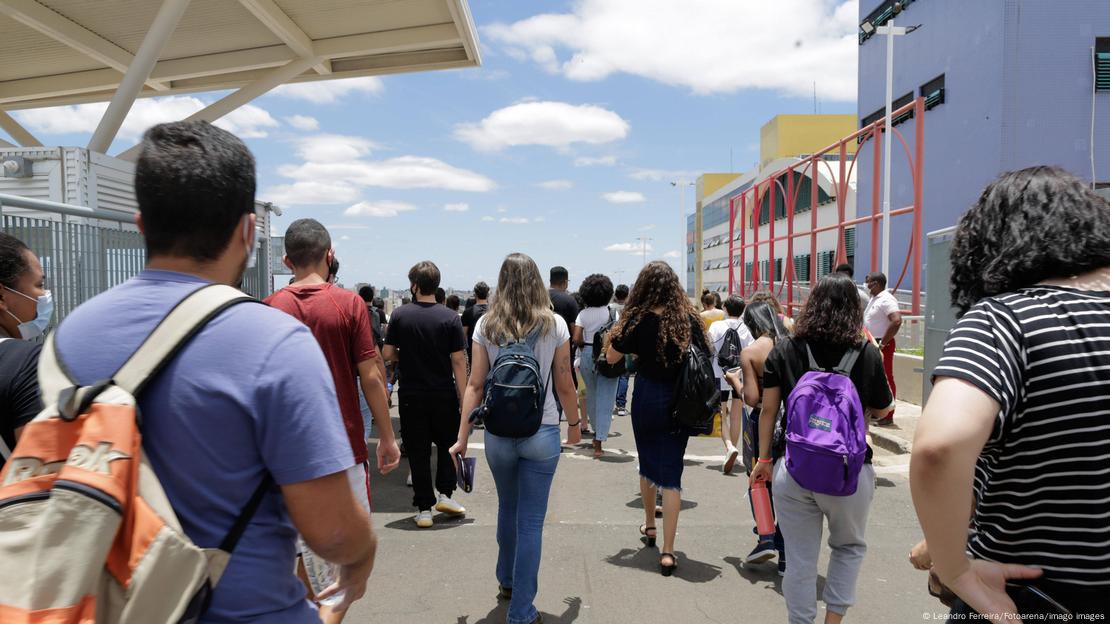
{"points": [[659, 442]]}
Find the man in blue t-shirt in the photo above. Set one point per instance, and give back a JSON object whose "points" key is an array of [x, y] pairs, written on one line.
{"points": [[251, 393]]}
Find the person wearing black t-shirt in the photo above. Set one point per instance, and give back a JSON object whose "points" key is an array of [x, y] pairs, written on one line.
{"points": [[474, 312], [426, 340], [828, 326], [25, 309], [657, 326], [566, 307]]}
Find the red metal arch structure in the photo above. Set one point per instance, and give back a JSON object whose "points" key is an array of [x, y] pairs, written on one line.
{"points": [[754, 196]]}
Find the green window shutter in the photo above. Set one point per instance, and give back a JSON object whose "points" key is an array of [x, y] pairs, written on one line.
{"points": [[1102, 64]]}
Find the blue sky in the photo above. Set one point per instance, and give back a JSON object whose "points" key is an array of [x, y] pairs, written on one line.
{"points": [[562, 145]]}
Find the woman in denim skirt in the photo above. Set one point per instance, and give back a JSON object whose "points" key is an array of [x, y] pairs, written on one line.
{"points": [[657, 326]]}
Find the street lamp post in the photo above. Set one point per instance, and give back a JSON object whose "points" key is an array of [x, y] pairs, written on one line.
{"points": [[681, 186], [644, 240], [891, 31]]}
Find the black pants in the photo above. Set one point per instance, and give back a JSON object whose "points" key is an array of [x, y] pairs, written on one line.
{"points": [[429, 418]]}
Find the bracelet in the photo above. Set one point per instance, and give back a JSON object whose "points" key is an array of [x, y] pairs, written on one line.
{"points": [[575, 424], [764, 461]]}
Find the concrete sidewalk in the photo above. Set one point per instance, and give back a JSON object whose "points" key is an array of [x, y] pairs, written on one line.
{"points": [[898, 438]]}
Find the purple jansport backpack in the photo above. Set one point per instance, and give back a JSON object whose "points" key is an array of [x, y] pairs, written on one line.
{"points": [[826, 432]]}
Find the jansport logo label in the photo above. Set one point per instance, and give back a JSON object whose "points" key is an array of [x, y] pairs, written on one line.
{"points": [[82, 456], [816, 422]]}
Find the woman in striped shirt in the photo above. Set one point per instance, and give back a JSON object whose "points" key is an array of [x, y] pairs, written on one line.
{"points": [[1020, 409]]}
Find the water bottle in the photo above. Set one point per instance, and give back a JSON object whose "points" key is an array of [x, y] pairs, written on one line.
{"points": [[764, 517]]}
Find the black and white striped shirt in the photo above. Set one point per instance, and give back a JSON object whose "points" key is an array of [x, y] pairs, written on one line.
{"points": [[1043, 478]]}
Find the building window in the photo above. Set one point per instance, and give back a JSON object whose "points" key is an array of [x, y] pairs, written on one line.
{"points": [[899, 103], [933, 92], [1102, 64], [801, 267]]}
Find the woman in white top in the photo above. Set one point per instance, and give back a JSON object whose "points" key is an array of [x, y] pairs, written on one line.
{"points": [[601, 391], [522, 468]]}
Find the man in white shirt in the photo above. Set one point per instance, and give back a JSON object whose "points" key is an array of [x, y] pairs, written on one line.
{"points": [[882, 319], [731, 424]]}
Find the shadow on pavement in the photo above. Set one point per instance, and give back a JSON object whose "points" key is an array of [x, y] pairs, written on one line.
{"points": [[767, 573], [440, 522], [647, 559], [737, 471], [883, 482], [637, 503], [498, 614], [691, 462], [616, 457]]}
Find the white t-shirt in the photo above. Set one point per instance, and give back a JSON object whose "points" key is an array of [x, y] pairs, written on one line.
{"points": [[545, 355], [717, 333], [617, 308], [591, 320], [876, 317]]}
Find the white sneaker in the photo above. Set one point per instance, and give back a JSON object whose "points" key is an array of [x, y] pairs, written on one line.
{"points": [[622, 412], [408, 480], [424, 518], [448, 506]]}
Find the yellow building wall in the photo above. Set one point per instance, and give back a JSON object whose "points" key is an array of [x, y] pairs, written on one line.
{"points": [[793, 135]]}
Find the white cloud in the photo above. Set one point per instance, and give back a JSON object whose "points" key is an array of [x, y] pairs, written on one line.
{"points": [[637, 248], [309, 192], [303, 122], [329, 91], [333, 148], [553, 124], [459, 207], [488, 219], [502, 210], [601, 161], [784, 46], [662, 175], [248, 122], [382, 208], [674, 253], [624, 197], [515, 220], [556, 185]]}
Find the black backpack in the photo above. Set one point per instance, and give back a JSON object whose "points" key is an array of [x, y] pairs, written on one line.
{"points": [[515, 392], [728, 357], [602, 365], [376, 325], [697, 393]]}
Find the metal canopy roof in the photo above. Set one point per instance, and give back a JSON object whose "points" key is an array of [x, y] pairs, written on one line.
{"points": [[73, 51]]}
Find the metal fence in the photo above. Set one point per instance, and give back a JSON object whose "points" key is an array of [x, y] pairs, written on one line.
{"points": [[85, 251]]}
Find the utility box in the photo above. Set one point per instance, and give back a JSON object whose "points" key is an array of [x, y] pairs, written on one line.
{"points": [[940, 316]]}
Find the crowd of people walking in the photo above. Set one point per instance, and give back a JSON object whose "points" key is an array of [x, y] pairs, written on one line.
{"points": [[1012, 438]]}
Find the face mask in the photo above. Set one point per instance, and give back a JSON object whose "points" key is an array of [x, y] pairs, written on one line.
{"points": [[252, 259], [35, 327]]}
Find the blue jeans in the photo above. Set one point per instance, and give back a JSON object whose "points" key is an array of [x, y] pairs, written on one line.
{"points": [[622, 391], [523, 469], [601, 392]]}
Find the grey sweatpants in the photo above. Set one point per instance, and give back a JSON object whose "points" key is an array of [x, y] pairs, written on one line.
{"points": [[801, 514]]}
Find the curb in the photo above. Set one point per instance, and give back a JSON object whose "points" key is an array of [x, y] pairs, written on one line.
{"points": [[890, 442]]}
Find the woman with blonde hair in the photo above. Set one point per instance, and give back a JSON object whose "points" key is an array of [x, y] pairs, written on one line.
{"points": [[522, 468], [658, 325]]}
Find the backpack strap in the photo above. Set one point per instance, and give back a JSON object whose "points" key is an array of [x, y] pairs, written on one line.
{"points": [[244, 519], [848, 362], [180, 325]]}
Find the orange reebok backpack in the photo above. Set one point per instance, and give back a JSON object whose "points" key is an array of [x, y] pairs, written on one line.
{"points": [[86, 531]]}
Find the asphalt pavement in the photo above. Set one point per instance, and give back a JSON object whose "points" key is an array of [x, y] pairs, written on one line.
{"points": [[596, 570]]}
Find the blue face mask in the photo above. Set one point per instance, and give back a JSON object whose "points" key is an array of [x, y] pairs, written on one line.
{"points": [[35, 327]]}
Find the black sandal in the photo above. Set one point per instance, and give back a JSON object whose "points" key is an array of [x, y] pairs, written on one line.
{"points": [[649, 534], [667, 570]]}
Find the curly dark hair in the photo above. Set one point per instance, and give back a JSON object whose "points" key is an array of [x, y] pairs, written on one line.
{"points": [[832, 314], [596, 290], [1028, 226], [13, 259], [658, 286]]}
